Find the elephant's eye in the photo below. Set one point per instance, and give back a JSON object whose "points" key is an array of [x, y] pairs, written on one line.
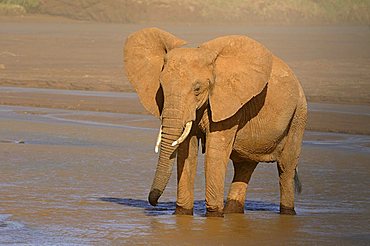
{"points": [[197, 89]]}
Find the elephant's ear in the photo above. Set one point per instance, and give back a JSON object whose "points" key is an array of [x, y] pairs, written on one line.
{"points": [[144, 53], [241, 71]]}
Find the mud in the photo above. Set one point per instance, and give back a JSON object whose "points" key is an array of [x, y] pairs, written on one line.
{"points": [[82, 177], [324, 117]]}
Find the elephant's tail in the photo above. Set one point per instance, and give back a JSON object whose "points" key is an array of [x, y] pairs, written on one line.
{"points": [[297, 182]]}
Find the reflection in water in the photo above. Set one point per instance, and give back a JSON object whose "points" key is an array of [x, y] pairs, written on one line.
{"points": [[167, 208], [347, 142], [13, 232], [163, 208], [6, 224]]}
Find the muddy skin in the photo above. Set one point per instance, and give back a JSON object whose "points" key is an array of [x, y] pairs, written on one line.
{"points": [[214, 214], [287, 211], [183, 211], [233, 207]]}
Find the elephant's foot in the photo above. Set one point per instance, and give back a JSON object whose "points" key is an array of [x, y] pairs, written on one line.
{"points": [[233, 206], [214, 214], [183, 211], [287, 210]]}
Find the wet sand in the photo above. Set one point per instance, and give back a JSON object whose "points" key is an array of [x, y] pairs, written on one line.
{"points": [[325, 117], [82, 177]]}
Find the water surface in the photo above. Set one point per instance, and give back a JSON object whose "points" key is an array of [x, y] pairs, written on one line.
{"points": [[79, 177]]}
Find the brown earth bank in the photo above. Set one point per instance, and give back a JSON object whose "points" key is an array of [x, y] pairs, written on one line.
{"points": [[332, 62]]}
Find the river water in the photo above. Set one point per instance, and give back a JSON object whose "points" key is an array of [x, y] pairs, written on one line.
{"points": [[82, 178]]}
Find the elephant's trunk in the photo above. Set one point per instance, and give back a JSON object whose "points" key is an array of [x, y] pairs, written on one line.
{"points": [[171, 130]]}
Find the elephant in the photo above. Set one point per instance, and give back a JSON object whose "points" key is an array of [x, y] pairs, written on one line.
{"points": [[230, 96]]}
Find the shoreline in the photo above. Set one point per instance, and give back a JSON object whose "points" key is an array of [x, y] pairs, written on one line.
{"points": [[322, 117], [332, 63], [125, 88]]}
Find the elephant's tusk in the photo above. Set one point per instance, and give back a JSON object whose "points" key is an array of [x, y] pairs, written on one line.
{"points": [[184, 134], [159, 139]]}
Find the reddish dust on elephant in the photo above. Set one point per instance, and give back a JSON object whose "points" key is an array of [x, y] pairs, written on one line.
{"points": [[230, 94]]}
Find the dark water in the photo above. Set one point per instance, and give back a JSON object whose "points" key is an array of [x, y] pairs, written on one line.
{"points": [[69, 178]]}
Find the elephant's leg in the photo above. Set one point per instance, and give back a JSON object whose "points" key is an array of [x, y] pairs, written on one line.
{"points": [[288, 161], [242, 174], [186, 170], [218, 150], [286, 182]]}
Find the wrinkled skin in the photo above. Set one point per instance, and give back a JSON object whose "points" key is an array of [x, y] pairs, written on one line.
{"points": [[245, 105]]}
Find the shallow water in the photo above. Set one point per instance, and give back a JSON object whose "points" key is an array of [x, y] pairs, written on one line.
{"points": [[83, 178]]}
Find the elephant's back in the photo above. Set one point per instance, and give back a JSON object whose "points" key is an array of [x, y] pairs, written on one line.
{"points": [[267, 117]]}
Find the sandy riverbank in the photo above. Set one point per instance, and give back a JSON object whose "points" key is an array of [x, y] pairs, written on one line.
{"points": [[323, 117], [332, 62]]}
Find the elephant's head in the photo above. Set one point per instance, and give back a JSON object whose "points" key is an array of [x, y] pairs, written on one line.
{"points": [[172, 83]]}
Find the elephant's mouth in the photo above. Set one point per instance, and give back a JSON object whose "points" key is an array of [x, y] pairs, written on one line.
{"points": [[181, 139]]}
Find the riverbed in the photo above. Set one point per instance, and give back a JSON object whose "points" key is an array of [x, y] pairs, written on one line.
{"points": [[82, 177]]}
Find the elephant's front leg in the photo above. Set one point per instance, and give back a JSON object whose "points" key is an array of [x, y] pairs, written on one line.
{"points": [[186, 170], [218, 149]]}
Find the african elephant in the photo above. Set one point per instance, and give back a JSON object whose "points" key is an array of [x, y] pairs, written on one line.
{"points": [[234, 95]]}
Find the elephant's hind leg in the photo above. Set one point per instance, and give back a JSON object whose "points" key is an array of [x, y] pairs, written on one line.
{"points": [[242, 174], [288, 161], [286, 182]]}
